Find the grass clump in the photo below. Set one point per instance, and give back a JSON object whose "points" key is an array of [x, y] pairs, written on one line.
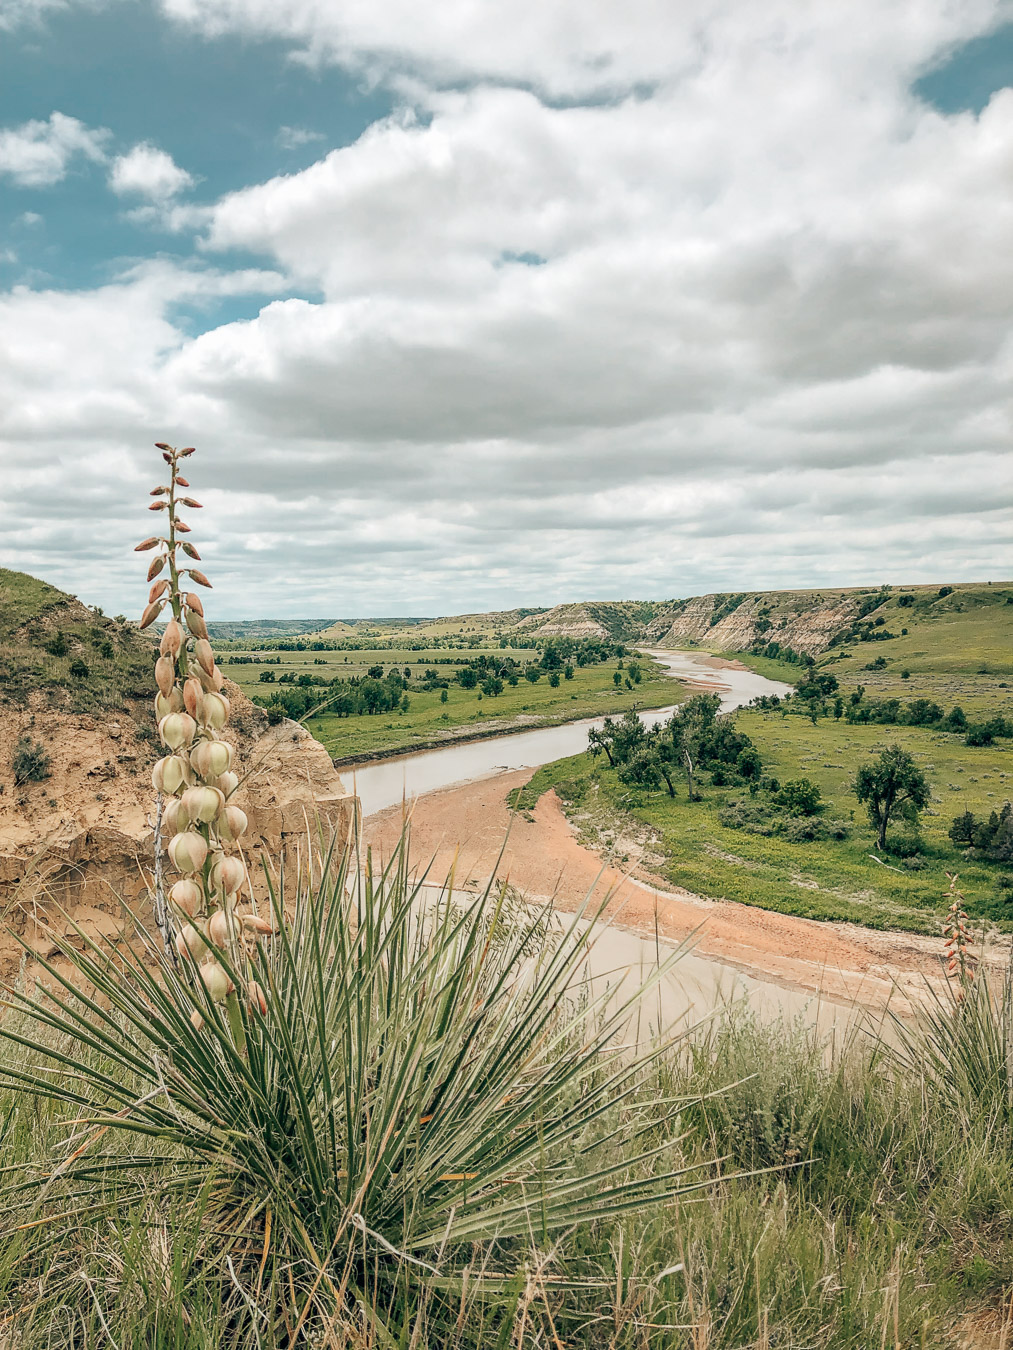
{"points": [[29, 762]]}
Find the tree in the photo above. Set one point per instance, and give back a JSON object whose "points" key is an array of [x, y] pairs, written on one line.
{"points": [[617, 678], [267, 677], [467, 677], [568, 671], [688, 730], [642, 770], [554, 678], [443, 696], [892, 785], [375, 672], [962, 829]]}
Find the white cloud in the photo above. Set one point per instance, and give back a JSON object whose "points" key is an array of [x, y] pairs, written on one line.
{"points": [[146, 171], [39, 153], [292, 138], [744, 324], [575, 48]]}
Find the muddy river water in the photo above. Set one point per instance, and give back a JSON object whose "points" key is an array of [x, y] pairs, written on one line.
{"points": [[392, 780]]}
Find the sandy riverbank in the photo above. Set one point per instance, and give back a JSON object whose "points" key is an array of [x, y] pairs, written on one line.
{"points": [[542, 857]]}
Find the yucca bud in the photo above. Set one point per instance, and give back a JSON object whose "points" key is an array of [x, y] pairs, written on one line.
{"points": [[213, 709], [256, 998], [196, 624], [210, 683], [165, 674], [216, 981], [191, 694], [174, 818], [190, 944], [180, 481], [172, 703], [211, 759], [232, 824], [168, 774], [159, 588], [228, 782], [164, 447], [222, 928], [189, 501], [151, 613], [188, 851], [200, 578], [189, 550], [176, 730], [158, 492], [182, 527], [172, 639], [203, 803], [145, 544], [194, 602], [205, 656], [228, 875], [156, 566], [256, 924], [188, 451], [187, 897], [158, 506]]}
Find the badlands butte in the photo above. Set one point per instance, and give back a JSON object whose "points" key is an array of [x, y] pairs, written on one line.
{"points": [[78, 839]]}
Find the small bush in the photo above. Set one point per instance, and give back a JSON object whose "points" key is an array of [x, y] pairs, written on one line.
{"points": [[800, 797], [79, 669], [29, 762]]}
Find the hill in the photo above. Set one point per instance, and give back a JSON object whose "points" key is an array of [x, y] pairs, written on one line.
{"points": [[76, 658]]}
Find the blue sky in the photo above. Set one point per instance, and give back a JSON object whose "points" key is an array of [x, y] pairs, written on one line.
{"points": [[469, 308]]}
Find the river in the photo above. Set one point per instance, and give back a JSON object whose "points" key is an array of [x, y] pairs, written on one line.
{"points": [[390, 781]]}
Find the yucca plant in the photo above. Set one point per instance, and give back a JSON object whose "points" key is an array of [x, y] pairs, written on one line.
{"points": [[406, 1081]]}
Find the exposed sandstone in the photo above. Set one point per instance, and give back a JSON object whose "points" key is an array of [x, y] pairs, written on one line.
{"points": [[82, 840]]}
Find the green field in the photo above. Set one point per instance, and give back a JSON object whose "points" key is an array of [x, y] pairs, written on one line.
{"points": [[821, 879], [467, 712]]}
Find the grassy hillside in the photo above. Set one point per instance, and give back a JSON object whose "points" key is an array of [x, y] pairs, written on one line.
{"points": [[75, 657]]}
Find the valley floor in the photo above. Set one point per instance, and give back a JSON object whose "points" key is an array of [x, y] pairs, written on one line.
{"points": [[542, 857]]}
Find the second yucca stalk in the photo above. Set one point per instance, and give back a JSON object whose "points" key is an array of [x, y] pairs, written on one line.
{"points": [[197, 775]]}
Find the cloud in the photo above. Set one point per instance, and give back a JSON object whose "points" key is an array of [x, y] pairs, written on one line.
{"points": [[146, 171], [722, 307], [39, 153], [292, 138], [584, 48]]}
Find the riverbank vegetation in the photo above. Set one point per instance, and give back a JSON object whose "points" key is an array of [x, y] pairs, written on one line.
{"points": [[372, 702], [791, 834]]}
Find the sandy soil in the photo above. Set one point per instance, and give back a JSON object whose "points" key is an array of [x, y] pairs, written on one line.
{"points": [[542, 857]]}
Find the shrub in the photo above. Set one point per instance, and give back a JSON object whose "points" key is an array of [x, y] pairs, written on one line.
{"points": [[79, 669], [800, 797], [29, 762], [57, 645]]}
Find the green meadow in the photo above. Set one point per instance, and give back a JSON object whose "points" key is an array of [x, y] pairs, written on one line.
{"points": [[821, 879]]}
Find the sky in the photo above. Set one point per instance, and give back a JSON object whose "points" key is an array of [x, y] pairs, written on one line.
{"points": [[468, 306]]}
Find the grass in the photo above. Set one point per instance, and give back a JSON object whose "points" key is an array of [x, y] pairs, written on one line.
{"points": [[821, 879], [74, 657], [865, 1199]]}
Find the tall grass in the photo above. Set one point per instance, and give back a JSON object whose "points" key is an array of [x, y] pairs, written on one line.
{"points": [[433, 1143], [419, 1083]]}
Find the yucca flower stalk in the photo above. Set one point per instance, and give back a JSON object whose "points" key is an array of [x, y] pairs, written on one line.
{"points": [[196, 775], [957, 947]]}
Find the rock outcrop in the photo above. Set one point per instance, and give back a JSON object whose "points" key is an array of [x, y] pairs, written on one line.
{"points": [[805, 621], [80, 842]]}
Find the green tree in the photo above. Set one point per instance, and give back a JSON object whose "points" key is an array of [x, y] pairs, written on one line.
{"points": [[554, 678], [443, 696], [891, 786], [568, 671]]}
